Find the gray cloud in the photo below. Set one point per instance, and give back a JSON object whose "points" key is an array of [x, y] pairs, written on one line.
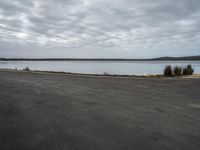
{"points": [[99, 28]]}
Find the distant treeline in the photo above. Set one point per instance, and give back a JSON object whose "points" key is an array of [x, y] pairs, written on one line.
{"points": [[179, 58], [191, 58]]}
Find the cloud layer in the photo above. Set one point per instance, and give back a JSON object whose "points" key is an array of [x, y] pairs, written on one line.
{"points": [[99, 28]]}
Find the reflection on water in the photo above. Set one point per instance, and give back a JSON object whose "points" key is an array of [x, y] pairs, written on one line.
{"points": [[100, 67]]}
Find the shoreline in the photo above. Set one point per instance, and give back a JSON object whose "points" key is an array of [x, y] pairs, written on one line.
{"points": [[196, 75]]}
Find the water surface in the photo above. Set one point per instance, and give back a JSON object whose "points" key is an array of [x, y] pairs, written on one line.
{"points": [[100, 67]]}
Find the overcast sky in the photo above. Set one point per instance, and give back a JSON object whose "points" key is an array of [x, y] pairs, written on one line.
{"points": [[99, 28]]}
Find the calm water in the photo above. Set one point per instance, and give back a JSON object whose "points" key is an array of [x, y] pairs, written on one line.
{"points": [[100, 67]]}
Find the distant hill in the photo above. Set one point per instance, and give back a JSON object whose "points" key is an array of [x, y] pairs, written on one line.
{"points": [[186, 58], [179, 58]]}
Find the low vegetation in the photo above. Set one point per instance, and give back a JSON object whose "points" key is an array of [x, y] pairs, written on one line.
{"points": [[188, 70], [168, 71], [178, 71], [26, 69], [106, 74]]}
